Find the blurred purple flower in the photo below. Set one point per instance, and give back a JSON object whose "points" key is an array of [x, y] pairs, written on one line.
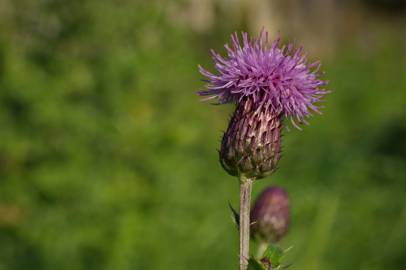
{"points": [[270, 215], [276, 78]]}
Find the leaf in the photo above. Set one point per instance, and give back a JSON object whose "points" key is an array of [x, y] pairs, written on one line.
{"points": [[236, 215], [254, 264], [274, 254]]}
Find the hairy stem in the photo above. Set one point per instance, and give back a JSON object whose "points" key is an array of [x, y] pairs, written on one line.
{"points": [[245, 199]]}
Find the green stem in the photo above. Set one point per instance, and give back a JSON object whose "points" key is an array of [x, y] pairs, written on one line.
{"points": [[245, 199], [262, 246]]}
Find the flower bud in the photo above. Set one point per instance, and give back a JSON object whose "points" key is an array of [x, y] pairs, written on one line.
{"points": [[270, 215], [251, 145]]}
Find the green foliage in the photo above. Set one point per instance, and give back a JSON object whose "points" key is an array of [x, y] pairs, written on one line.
{"points": [[254, 264], [108, 159], [270, 259], [274, 255]]}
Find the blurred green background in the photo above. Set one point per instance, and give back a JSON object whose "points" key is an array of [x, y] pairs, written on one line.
{"points": [[108, 160]]}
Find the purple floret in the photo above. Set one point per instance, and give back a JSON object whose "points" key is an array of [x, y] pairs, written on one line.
{"points": [[277, 78]]}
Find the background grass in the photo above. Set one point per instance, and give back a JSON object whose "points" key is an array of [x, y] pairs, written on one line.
{"points": [[108, 159]]}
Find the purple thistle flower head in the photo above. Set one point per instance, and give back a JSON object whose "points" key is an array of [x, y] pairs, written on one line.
{"points": [[277, 78], [270, 216]]}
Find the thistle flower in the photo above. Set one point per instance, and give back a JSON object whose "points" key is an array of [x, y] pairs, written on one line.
{"points": [[270, 215], [268, 82], [274, 77]]}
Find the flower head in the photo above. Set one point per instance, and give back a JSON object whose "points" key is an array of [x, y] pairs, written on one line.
{"points": [[251, 146], [270, 215], [276, 78]]}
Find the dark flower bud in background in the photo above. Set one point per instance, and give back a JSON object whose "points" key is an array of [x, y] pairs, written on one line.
{"points": [[268, 82], [270, 215]]}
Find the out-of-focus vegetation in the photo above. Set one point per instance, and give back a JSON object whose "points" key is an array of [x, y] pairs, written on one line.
{"points": [[108, 159]]}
